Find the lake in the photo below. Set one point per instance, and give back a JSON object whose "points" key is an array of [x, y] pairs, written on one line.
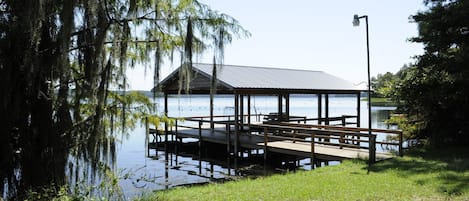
{"points": [[146, 174]]}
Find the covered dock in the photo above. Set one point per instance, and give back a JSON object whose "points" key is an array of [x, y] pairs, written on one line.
{"points": [[309, 135]]}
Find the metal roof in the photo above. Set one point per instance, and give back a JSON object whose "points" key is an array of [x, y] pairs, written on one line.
{"points": [[258, 78]]}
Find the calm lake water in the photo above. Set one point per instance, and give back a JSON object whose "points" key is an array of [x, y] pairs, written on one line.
{"points": [[146, 174]]}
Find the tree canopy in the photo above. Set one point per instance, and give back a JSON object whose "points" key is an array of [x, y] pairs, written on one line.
{"points": [[58, 61], [381, 84], [434, 93]]}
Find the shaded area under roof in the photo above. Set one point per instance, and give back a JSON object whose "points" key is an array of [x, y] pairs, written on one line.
{"points": [[259, 80]]}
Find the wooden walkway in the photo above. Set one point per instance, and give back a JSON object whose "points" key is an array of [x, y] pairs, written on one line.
{"points": [[321, 151], [293, 139]]}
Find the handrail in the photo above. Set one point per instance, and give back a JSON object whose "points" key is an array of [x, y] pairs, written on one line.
{"points": [[318, 131], [298, 132], [399, 133], [266, 141], [344, 128], [291, 117]]}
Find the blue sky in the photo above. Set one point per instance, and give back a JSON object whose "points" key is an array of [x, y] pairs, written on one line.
{"points": [[315, 35]]}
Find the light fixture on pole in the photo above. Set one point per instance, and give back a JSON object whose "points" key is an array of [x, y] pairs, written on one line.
{"points": [[356, 22]]}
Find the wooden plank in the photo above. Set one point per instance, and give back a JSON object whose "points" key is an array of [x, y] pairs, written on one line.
{"points": [[345, 153]]}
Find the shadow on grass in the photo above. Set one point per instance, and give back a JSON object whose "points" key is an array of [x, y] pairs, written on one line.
{"points": [[447, 168]]}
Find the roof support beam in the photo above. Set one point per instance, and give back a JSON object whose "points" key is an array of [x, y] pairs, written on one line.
{"points": [[358, 116], [249, 111], [236, 104], [287, 106], [166, 126], [241, 111], [212, 125], [327, 109], [358, 109], [279, 113], [319, 108]]}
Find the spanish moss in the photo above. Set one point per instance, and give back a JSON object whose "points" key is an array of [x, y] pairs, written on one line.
{"points": [[63, 82]]}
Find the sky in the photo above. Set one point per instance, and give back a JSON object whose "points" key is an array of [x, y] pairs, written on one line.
{"points": [[315, 35]]}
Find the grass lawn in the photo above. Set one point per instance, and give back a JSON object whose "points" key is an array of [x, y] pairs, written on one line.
{"points": [[421, 175]]}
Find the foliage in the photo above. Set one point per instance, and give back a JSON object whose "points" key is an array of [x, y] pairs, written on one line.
{"points": [[157, 120], [421, 175], [382, 84], [60, 61], [409, 129], [434, 93]]}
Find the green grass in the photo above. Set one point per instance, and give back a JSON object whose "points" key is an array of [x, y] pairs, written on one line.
{"points": [[421, 175]]}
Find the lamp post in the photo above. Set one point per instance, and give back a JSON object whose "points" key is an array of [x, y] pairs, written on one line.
{"points": [[356, 22]]}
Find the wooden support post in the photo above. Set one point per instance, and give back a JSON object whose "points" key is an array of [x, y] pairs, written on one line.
{"points": [[211, 170], [228, 138], [212, 125], [147, 136], [200, 135], [327, 115], [358, 109], [341, 140], [327, 109], [241, 111], [176, 151], [318, 163], [358, 116], [372, 147], [249, 112], [265, 143], [166, 169], [312, 151], [280, 110], [176, 129], [400, 144], [171, 160], [319, 109], [200, 162], [236, 125], [176, 142], [228, 163], [287, 106], [166, 125], [200, 148]]}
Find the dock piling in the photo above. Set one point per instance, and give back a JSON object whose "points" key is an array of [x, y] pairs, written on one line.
{"points": [[312, 150], [400, 144], [200, 135], [265, 143], [372, 147], [147, 136]]}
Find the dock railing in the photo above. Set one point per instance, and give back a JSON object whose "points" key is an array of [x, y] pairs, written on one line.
{"points": [[302, 134], [340, 136], [342, 120], [395, 136]]}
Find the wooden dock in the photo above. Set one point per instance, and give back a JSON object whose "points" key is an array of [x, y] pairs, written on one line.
{"points": [[313, 141]]}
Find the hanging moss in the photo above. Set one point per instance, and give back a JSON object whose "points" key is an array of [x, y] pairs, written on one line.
{"points": [[59, 61]]}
